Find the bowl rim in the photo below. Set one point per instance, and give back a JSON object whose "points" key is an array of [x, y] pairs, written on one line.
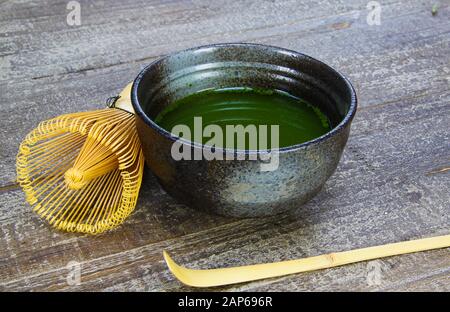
{"points": [[337, 129]]}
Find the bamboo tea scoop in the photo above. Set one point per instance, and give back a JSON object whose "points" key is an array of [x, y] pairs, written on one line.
{"points": [[233, 275]]}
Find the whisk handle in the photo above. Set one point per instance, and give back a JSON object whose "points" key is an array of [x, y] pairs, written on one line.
{"points": [[123, 100]]}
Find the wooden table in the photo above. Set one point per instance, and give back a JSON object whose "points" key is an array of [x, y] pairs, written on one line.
{"points": [[392, 183]]}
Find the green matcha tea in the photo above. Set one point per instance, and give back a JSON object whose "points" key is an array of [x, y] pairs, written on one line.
{"points": [[298, 120]]}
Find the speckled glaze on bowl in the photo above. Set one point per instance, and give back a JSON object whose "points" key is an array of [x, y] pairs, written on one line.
{"points": [[238, 187]]}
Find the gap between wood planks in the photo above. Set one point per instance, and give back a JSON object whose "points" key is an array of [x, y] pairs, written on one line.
{"points": [[87, 69]]}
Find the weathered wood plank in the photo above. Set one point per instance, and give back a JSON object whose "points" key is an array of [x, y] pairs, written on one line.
{"points": [[46, 36], [127, 31]]}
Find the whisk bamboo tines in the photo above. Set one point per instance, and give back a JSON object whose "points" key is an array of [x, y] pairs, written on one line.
{"points": [[82, 172]]}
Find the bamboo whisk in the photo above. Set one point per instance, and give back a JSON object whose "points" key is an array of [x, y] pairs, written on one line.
{"points": [[82, 172]]}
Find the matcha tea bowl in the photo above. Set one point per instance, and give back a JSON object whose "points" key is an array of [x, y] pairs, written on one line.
{"points": [[242, 130]]}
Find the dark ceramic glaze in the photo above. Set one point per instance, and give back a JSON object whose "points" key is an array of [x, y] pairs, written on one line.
{"points": [[238, 187]]}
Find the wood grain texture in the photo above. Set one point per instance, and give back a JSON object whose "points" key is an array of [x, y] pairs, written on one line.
{"points": [[390, 185]]}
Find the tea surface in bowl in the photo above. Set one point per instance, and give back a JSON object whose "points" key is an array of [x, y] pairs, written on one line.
{"points": [[298, 120]]}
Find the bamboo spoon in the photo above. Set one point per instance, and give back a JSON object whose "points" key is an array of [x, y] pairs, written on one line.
{"points": [[233, 275]]}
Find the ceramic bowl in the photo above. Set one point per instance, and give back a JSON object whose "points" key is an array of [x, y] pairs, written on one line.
{"points": [[239, 187]]}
